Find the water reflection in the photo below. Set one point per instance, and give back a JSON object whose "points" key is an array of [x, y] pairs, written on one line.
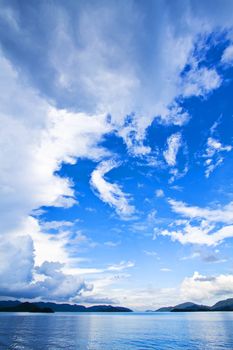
{"points": [[160, 331]]}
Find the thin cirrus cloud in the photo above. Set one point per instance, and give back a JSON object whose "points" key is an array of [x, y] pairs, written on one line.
{"points": [[121, 266]]}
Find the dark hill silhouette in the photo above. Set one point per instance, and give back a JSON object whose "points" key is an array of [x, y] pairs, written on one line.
{"points": [[17, 306], [223, 305], [25, 307]]}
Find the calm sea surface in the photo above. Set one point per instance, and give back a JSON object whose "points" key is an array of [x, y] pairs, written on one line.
{"points": [[117, 331]]}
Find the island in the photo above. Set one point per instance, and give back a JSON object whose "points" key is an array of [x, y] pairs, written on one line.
{"points": [[222, 305], [49, 307]]}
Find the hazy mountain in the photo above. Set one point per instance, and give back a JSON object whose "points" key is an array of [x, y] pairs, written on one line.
{"points": [[187, 307], [165, 309]]}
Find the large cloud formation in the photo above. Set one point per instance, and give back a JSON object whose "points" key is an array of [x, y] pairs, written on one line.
{"points": [[71, 73]]}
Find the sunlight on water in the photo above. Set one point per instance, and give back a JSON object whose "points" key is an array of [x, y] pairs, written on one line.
{"points": [[158, 331]]}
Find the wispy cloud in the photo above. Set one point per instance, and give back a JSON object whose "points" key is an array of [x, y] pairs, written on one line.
{"points": [[200, 81], [213, 156], [165, 269], [174, 142], [151, 253], [205, 226], [121, 266], [222, 214], [110, 193], [112, 243], [159, 193]]}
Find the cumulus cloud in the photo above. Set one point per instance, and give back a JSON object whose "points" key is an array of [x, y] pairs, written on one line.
{"points": [[46, 282], [199, 287], [36, 139], [110, 193], [44, 138], [174, 142], [116, 81], [57, 113]]}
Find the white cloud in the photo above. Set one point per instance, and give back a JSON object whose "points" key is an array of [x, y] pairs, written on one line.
{"points": [[159, 193], [106, 72], [191, 256], [98, 76], [214, 146], [110, 193], [44, 138], [36, 139], [227, 57], [223, 214], [46, 282], [205, 226], [151, 216], [54, 225], [112, 243], [213, 150], [150, 253], [174, 115], [200, 234], [174, 142], [200, 287], [200, 81], [121, 266], [177, 174]]}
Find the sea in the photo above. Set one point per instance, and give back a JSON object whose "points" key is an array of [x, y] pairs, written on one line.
{"points": [[117, 331]]}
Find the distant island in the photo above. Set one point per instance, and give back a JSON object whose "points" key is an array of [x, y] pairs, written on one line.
{"points": [[223, 305], [47, 307]]}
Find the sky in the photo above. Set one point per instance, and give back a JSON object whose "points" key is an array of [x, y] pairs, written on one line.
{"points": [[116, 150]]}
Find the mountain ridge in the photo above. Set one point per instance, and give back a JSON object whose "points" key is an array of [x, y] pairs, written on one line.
{"points": [[222, 305], [17, 306]]}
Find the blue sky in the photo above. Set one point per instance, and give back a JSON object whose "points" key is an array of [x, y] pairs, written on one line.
{"points": [[116, 150]]}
